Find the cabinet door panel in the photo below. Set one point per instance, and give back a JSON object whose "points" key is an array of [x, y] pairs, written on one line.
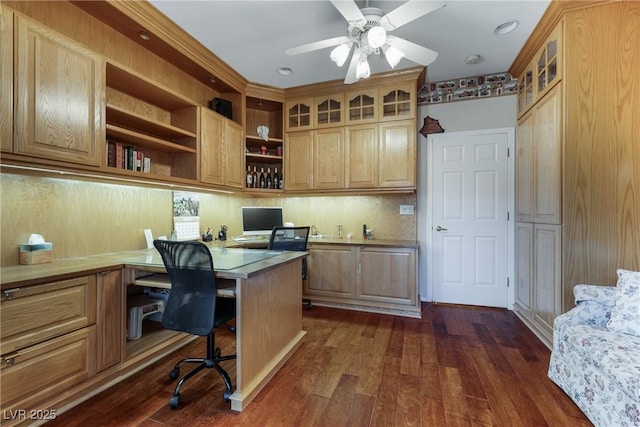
{"points": [[109, 319], [331, 271], [397, 154], [547, 273], [387, 276], [524, 170], [6, 80], [328, 154], [234, 155], [60, 92], [548, 155], [524, 264], [211, 157], [362, 156], [298, 173]]}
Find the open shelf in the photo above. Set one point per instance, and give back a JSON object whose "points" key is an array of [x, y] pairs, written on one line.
{"points": [[146, 141], [126, 119]]}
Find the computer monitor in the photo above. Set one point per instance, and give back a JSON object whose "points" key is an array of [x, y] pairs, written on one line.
{"points": [[260, 221]]}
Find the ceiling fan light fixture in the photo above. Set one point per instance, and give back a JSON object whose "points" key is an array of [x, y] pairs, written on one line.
{"points": [[363, 71], [393, 55], [376, 36], [340, 54]]}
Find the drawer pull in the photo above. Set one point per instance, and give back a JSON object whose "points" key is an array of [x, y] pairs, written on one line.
{"points": [[9, 292]]}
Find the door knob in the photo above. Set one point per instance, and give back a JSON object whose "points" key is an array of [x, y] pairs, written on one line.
{"points": [[438, 228]]}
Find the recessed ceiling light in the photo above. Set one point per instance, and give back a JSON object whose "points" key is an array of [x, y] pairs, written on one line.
{"points": [[506, 27], [285, 71], [473, 59], [144, 35]]}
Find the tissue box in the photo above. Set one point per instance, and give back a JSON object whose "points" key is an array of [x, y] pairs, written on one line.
{"points": [[38, 253]]}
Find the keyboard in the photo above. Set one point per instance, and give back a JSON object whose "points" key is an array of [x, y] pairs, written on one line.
{"points": [[249, 238]]}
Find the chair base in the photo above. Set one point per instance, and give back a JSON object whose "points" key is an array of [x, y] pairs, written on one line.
{"points": [[307, 302], [211, 361]]}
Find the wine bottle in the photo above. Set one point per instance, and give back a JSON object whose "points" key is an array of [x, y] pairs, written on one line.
{"points": [[269, 180], [276, 179], [254, 178], [249, 177], [263, 181], [281, 181]]}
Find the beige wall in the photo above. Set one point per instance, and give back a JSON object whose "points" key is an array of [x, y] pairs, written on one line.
{"points": [[85, 218]]}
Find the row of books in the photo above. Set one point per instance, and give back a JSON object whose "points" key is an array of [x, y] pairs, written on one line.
{"points": [[123, 156]]}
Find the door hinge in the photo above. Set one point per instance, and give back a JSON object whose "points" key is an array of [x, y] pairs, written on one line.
{"points": [[508, 216], [508, 284], [508, 152]]}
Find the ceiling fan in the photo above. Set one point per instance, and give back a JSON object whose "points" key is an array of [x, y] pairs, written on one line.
{"points": [[367, 33]]}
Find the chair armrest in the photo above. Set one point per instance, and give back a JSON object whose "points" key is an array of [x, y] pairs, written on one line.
{"points": [[593, 307]]}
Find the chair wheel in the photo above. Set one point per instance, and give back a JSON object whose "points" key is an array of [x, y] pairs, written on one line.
{"points": [[174, 401], [175, 373], [227, 394]]}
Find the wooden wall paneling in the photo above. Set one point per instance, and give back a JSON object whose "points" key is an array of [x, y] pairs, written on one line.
{"points": [[601, 201]]}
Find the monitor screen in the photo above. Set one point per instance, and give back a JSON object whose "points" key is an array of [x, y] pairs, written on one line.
{"points": [[257, 220]]}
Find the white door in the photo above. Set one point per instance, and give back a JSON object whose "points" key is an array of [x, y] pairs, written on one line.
{"points": [[469, 211]]}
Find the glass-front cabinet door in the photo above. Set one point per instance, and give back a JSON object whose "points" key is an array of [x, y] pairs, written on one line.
{"points": [[397, 102], [328, 111], [548, 63], [361, 107], [299, 115]]}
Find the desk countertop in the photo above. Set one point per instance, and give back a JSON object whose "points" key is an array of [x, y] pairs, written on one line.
{"points": [[60, 269]]}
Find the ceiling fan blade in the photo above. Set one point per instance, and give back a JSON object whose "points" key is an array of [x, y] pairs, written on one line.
{"points": [[309, 47], [349, 9], [412, 9], [353, 65], [413, 52]]}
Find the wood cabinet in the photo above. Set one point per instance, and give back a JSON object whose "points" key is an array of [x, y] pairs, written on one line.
{"points": [[581, 164], [361, 106], [331, 272], [397, 154], [387, 276], [328, 158], [397, 102], [6, 80], [370, 278], [361, 156], [298, 151], [222, 151], [48, 340], [110, 327], [539, 160], [542, 72], [299, 114], [328, 111], [538, 275], [59, 113]]}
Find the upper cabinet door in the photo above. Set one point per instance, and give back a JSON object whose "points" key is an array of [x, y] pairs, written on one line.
{"points": [[298, 158], [59, 97], [397, 154], [329, 111], [328, 155], [397, 102], [361, 107], [299, 115]]}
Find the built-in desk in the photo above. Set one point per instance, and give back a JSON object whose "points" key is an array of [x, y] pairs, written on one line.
{"points": [[67, 319], [268, 292]]}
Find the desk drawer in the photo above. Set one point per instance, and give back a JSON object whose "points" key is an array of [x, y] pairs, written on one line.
{"points": [[37, 313], [31, 375]]}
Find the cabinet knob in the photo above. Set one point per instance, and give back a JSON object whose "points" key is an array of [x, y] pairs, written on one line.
{"points": [[8, 294], [9, 360]]}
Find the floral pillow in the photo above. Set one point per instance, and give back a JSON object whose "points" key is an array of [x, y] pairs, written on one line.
{"points": [[625, 315]]}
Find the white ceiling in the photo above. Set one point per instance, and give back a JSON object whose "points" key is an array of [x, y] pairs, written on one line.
{"points": [[251, 36]]}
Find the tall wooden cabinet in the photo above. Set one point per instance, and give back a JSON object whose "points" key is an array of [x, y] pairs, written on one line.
{"points": [[577, 156], [222, 151]]}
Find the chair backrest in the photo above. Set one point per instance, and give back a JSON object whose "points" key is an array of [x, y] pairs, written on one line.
{"points": [[191, 303], [289, 239]]}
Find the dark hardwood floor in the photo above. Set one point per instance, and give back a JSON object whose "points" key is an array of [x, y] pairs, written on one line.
{"points": [[457, 366]]}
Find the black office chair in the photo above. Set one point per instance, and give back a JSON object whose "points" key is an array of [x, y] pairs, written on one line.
{"points": [[193, 306], [291, 239]]}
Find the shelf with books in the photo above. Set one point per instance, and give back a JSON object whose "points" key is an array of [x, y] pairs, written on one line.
{"points": [[153, 121]]}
